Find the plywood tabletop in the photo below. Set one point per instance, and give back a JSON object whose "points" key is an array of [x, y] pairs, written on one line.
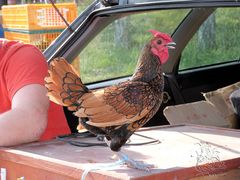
{"points": [[184, 152]]}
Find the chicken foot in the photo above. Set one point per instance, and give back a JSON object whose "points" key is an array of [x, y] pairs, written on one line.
{"points": [[133, 163], [125, 159]]}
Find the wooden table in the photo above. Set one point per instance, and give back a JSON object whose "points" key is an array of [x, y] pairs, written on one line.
{"points": [[185, 152]]}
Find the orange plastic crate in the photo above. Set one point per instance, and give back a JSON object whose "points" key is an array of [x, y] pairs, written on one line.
{"points": [[37, 16], [41, 39]]}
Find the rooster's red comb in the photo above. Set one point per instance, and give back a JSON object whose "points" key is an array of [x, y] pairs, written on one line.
{"points": [[156, 33]]}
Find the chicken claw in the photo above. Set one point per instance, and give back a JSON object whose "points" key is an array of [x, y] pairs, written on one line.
{"points": [[134, 164]]}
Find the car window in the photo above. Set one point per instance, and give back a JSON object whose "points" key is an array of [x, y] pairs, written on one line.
{"points": [[216, 41], [114, 52]]}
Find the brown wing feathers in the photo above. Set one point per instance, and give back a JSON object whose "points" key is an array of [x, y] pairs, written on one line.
{"points": [[115, 105]]}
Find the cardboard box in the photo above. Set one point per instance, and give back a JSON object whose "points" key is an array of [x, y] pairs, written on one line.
{"points": [[217, 110], [220, 100], [201, 112]]}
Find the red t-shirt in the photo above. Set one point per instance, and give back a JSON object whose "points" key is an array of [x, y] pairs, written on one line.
{"points": [[20, 65]]}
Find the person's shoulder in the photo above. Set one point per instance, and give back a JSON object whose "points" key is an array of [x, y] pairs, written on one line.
{"points": [[9, 45], [5, 43], [15, 54]]}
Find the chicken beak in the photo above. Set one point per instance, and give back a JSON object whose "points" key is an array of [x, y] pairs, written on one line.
{"points": [[171, 45]]}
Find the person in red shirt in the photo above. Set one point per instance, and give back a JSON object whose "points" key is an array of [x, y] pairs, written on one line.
{"points": [[26, 114]]}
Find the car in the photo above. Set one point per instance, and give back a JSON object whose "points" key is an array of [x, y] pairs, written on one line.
{"points": [[103, 44]]}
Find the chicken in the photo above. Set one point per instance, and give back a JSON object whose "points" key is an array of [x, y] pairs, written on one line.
{"points": [[119, 110]]}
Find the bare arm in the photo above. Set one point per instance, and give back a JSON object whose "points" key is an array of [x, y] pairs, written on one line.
{"points": [[27, 119]]}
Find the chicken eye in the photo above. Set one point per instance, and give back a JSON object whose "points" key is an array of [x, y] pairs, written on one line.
{"points": [[159, 41]]}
